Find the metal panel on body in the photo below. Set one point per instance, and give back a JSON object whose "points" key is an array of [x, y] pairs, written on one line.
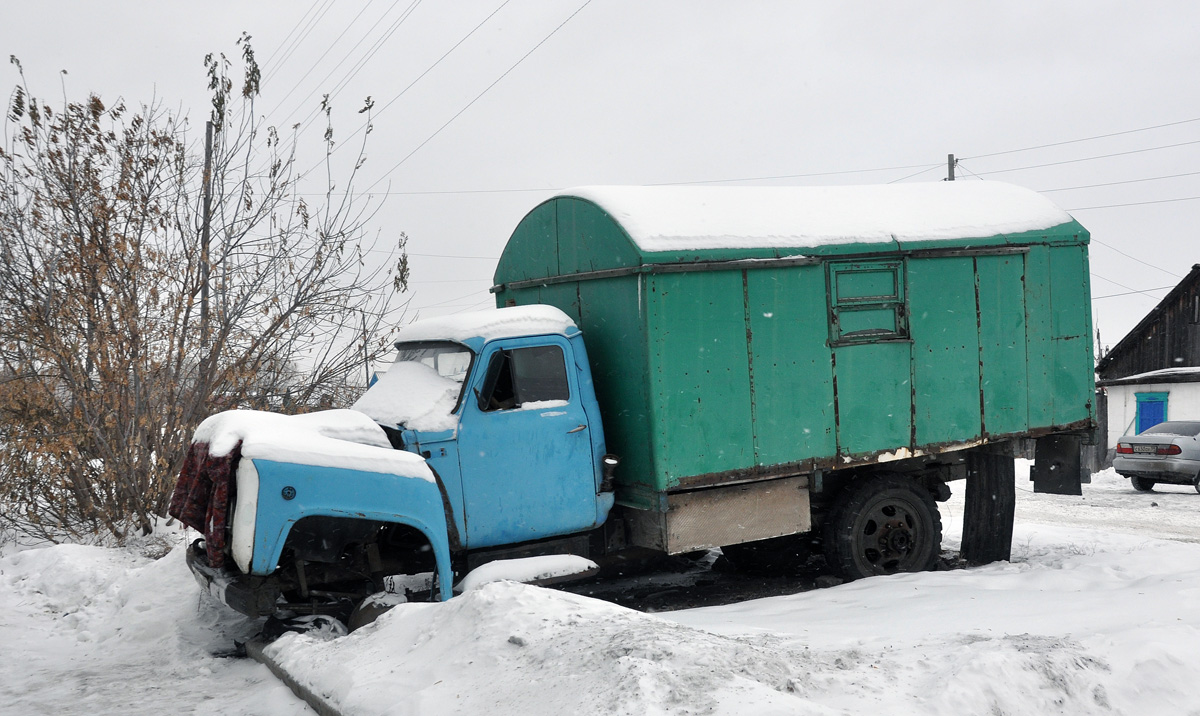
{"points": [[589, 239], [612, 321], [1039, 329], [718, 516], [699, 375], [873, 396], [527, 473], [1002, 355], [945, 333], [792, 375], [532, 251], [1072, 373]]}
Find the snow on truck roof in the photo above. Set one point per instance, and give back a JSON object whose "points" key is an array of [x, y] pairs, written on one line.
{"points": [[673, 218], [509, 322]]}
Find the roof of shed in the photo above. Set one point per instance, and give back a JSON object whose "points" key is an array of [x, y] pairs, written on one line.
{"points": [[1130, 338], [1166, 375], [694, 218]]}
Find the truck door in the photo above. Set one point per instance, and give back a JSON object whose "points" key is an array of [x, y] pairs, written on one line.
{"points": [[525, 446]]}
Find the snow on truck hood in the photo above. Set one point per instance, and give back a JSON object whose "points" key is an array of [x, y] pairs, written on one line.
{"points": [[675, 218], [329, 438]]}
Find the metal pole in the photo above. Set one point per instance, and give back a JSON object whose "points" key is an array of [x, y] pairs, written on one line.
{"points": [[950, 167], [208, 137]]}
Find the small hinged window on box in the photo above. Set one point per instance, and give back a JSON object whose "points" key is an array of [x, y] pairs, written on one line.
{"points": [[866, 301]]}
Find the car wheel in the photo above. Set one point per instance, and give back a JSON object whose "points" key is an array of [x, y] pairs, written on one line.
{"points": [[1141, 484], [882, 525], [1196, 483]]}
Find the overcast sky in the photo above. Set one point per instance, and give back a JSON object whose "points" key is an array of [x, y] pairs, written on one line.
{"points": [[640, 92]]}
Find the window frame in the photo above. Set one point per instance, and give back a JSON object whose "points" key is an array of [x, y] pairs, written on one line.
{"points": [[838, 305], [497, 364]]}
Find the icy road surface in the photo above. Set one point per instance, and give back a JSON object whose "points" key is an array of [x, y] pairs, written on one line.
{"points": [[1098, 613]]}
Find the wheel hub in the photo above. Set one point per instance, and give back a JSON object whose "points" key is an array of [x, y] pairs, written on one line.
{"points": [[896, 538]]}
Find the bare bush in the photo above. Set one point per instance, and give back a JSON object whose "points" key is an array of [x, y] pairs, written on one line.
{"points": [[120, 331]]}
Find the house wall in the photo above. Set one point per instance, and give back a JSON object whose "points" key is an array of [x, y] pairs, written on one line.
{"points": [[1183, 403]]}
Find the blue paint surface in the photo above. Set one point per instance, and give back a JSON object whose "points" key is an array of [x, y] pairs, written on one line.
{"points": [[531, 473], [338, 492], [1151, 410]]}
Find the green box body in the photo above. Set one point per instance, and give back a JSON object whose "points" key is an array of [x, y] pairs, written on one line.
{"points": [[725, 365]]}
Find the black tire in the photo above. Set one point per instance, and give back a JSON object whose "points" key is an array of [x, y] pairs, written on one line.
{"points": [[1196, 483], [882, 525], [1141, 484], [777, 555]]}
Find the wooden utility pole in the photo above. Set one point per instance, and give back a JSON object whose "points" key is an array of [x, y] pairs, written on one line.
{"points": [[950, 167], [208, 139], [366, 351]]}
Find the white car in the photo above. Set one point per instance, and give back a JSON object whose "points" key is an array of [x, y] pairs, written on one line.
{"points": [[1168, 452]]}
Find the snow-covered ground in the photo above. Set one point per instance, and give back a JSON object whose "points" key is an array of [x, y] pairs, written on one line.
{"points": [[1097, 613]]}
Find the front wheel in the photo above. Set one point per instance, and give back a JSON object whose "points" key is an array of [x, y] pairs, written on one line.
{"points": [[882, 525], [1141, 484]]}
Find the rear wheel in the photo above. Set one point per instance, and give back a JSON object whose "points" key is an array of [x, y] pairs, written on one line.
{"points": [[882, 525], [1141, 484]]}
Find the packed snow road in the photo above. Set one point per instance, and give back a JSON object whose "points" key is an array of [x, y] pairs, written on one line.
{"points": [[1097, 613]]}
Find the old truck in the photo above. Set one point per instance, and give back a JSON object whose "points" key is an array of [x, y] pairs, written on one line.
{"points": [[673, 369]]}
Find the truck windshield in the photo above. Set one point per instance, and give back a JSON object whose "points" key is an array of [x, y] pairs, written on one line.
{"points": [[422, 387]]}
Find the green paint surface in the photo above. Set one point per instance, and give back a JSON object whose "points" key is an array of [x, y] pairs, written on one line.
{"points": [[793, 374], [1002, 343], [732, 369], [945, 358]]}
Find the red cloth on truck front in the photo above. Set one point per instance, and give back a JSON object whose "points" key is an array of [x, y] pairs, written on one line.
{"points": [[203, 495]]}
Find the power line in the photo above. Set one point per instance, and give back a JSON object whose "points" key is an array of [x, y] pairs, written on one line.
{"points": [[481, 94], [910, 176], [1115, 183], [429, 69], [276, 52], [318, 61], [358, 65], [312, 24], [1114, 248], [444, 256], [1086, 139], [1135, 203], [1130, 293], [1088, 159]]}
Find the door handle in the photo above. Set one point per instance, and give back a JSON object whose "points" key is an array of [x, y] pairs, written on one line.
{"points": [[575, 430]]}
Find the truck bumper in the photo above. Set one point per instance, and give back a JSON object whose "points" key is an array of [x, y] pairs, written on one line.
{"points": [[253, 596]]}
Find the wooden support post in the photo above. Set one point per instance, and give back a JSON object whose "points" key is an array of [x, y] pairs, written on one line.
{"points": [[991, 504]]}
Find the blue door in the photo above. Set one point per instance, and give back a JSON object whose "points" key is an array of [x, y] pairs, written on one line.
{"points": [[1151, 410], [525, 446]]}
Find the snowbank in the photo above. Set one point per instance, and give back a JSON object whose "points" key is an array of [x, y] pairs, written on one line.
{"points": [[1094, 615], [105, 631]]}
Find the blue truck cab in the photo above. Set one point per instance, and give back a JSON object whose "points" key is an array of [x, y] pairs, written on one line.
{"points": [[500, 408], [520, 451]]}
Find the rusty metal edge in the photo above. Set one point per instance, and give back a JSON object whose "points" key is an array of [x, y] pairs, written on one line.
{"points": [[254, 648]]}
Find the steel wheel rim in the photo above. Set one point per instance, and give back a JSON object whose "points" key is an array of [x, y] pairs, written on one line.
{"points": [[890, 536]]}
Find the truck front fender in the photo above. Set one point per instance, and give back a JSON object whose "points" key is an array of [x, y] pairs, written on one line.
{"points": [[288, 492]]}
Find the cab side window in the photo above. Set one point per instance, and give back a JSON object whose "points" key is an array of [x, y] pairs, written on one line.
{"points": [[524, 375]]}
